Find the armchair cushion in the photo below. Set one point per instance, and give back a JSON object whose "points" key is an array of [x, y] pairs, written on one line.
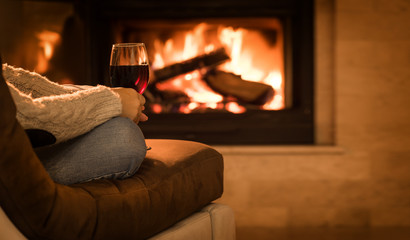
{"points": [[176, 179]]}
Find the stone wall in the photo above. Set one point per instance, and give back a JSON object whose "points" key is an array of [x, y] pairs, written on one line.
{"points": [[358, 173]]}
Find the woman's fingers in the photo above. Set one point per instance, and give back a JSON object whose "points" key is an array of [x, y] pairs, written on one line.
{"points": [[132, 104], [141, 117]]}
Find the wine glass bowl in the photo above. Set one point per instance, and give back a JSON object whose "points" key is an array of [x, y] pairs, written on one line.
{"points": [[129, 66]]}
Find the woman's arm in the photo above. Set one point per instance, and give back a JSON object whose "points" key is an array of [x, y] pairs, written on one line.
{"points": [[68, 115], [32, 83], [67, 111]]}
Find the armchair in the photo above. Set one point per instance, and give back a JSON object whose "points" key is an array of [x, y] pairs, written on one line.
{"points": [[168, 198]]}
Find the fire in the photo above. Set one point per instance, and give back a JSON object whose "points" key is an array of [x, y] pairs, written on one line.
{"points": [[251, 58], [233, 39], [235, 107], [47, 41], [275, 80]]}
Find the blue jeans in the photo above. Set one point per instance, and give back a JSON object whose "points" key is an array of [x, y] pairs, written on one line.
{"points": [[115, 149]]}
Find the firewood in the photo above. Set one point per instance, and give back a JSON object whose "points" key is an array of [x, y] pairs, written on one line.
{"points": [[154, 95], [229, 84], [206, 60]]}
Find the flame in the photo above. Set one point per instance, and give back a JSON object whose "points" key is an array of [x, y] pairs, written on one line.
{"points": [[251, 58], [275, 80], [235, 107], [196, 89], [47, 41], [158, 61], [232, 39], [191, 106]]}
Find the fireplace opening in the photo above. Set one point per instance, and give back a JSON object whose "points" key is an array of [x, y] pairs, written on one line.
{"points": [[209, 65], [222, 72]]}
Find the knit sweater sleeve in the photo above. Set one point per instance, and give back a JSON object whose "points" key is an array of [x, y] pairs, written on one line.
{"points": [[32, 83], [67, 115]]}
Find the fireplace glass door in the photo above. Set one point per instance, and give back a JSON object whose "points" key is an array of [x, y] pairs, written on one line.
{"points": [[212, 65]]}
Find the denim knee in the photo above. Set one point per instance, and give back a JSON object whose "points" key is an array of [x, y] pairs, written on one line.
{"points": [[115, 149], [130, 149]]}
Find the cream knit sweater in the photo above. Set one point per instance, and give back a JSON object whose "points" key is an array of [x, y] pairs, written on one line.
{"points": [[64, 111]]}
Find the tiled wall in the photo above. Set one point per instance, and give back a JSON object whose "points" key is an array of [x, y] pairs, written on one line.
{"points": [[362, 177]]}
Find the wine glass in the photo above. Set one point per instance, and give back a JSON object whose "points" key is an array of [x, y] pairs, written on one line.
{"points": [[129, 66]]}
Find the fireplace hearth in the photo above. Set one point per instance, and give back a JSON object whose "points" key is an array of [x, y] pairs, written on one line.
{"points": [[261, 92]]}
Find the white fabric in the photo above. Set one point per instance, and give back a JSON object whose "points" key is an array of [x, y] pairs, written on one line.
{"points": [[64, 111], [214, 222], [223, 221], [197, 226]]}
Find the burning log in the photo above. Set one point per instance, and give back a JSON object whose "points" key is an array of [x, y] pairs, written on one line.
{"points": [[206, 60], [156, 96], [229, 84]]}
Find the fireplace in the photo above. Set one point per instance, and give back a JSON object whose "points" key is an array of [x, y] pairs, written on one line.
{"points": [[223, 72]]}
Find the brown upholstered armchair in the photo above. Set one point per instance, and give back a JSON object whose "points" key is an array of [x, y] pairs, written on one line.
{"points": [[177, 182]]}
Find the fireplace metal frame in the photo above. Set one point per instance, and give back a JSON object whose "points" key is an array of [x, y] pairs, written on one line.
{"points": [[254, 127]]}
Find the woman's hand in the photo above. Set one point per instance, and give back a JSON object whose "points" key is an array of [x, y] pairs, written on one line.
{"points": [[132, 104]]}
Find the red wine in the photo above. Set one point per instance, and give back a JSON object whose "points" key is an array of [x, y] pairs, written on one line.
{"points": [[135, 76]]}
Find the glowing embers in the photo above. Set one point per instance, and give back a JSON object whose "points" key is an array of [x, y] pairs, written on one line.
{"points": [[255, 55]]}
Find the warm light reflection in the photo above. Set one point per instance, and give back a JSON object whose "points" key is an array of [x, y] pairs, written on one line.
{"points": [[156, 108], [251, 58], [47, 42]]}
